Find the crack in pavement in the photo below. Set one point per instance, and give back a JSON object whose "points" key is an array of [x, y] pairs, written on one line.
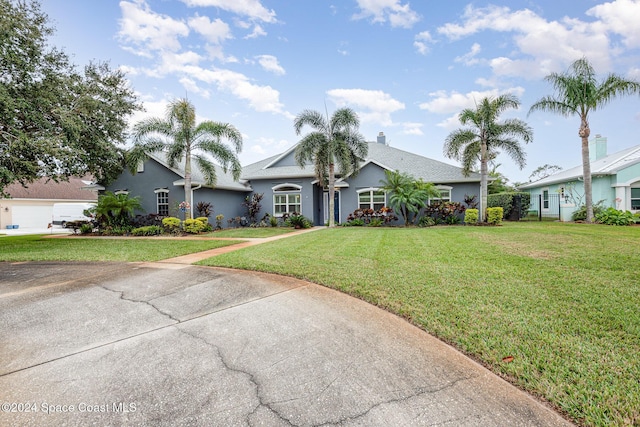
{"points": [[251, 377], [122, 297], [418, 391]]}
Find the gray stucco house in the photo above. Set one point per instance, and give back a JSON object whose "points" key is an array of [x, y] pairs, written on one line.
{"points": [[289, 188], [615, 181]]}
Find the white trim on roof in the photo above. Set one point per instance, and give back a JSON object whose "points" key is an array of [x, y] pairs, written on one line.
{"points": [[280, 157], [286, 186]]}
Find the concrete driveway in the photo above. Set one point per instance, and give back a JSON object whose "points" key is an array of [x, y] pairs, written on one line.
{"points": [[165, 344]]}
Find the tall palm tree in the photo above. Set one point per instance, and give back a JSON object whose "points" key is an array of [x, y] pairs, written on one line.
{"points": [[577, 94], [485, 136], [334, 141], [178, 136]]}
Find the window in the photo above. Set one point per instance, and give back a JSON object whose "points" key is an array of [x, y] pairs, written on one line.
{"points": [[119, 192], [371, 198], [635, 199], [545, 199], [286, 199], [445, 195], [162, 200]]}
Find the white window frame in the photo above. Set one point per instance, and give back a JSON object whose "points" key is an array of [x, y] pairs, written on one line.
{"points": [[165, 194], [370, 191], [119, 192], [546, 203], [442, 189], [292, 199], [631, 198]]}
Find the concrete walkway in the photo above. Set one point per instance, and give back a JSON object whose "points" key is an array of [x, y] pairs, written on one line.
{"points": [[171, 344]]}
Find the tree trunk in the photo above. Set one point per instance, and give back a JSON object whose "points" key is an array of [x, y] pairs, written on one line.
{"points": [[584, 133], [187, 183], [483, 181], [332, 194]]}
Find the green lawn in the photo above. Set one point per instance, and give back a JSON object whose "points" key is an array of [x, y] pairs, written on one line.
{"points": [[39, 248], [562, 299]]}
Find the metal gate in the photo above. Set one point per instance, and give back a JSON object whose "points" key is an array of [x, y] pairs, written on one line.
{"points": [[544, 206]]}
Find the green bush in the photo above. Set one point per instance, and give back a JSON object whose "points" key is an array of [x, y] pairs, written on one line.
{"points": [[147, 230], [203, 219], [471, 216], [273, 221], [356, 222], [171, 224], [376, 222], [581, 213], [193, 226], [298, 221], [612, 216], [495, 215], [505, 201], [86, 228], [426, 221]]}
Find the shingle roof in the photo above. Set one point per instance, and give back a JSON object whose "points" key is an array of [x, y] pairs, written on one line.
{"points": [[44, 188], [224, 179], [608, 165], [383, 155]]}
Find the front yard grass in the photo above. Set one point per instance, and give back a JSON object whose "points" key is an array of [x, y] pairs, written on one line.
{"points": [[250, 232], [38, 248], [563, 300]]}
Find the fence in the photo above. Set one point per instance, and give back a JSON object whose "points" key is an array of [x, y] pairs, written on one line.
{"points": [[545, 206]]}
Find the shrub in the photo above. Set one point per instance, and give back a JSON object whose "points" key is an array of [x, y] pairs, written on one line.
{"points": [[219, 219], [147, 230], [507, 202], [203, 219], [193, 226], [86, 228], [612, 216], [376, 222], [471, 216], [445, 212], [144, 220], [426, 221], [204, 209], [298, 221], [581, 213], [273, 221], [495, 215], [367, 215], [253, 206], [171, 224]]}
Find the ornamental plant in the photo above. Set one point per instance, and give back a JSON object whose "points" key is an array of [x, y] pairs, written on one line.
{"points": [[171, 224], [193, 226], [494, 215], [471, 217]]}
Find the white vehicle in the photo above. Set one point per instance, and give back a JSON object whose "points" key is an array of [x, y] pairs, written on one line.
{"points": [[64, 213]]}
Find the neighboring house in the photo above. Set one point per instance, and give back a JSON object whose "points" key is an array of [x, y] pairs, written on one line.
{"points": [[289, 188], [32, 206], [615, 182]]}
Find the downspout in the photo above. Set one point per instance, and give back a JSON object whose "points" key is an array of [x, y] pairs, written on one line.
{"points": [[192, 190]]}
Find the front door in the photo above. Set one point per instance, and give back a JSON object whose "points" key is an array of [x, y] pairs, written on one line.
{"points": [[336, 207]]}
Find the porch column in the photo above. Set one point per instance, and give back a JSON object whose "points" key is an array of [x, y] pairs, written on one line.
{"points": [[623, 195]]}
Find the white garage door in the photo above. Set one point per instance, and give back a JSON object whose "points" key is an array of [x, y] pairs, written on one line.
{"points": [[32, 216]]}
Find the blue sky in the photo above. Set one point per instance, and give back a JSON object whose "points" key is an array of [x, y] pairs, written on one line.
{"points": [[406, 68]]}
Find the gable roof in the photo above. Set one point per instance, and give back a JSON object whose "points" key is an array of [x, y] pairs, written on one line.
{"points": [[224, 179], [46, 189], [609, 165], [386, 157]]}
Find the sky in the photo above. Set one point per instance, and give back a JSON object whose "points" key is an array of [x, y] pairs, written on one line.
{"points": [[407, 68]]}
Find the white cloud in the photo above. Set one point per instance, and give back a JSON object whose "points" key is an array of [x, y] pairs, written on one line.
{"points": [[453, 103], [378, 105], [620, 17], [409, 128], [148, 30], [192, 87], [260, 98], [469, 58], [258, 31], [253, 9], [213, 31], [270, 63], [381, 11], [547, 46], [422, 41]]}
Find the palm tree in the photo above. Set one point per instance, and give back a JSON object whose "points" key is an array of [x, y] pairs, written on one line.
{"points": [[179, 137], [408, 196], [577, 94], [485, 137], [334, 141], [116, 209]]}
